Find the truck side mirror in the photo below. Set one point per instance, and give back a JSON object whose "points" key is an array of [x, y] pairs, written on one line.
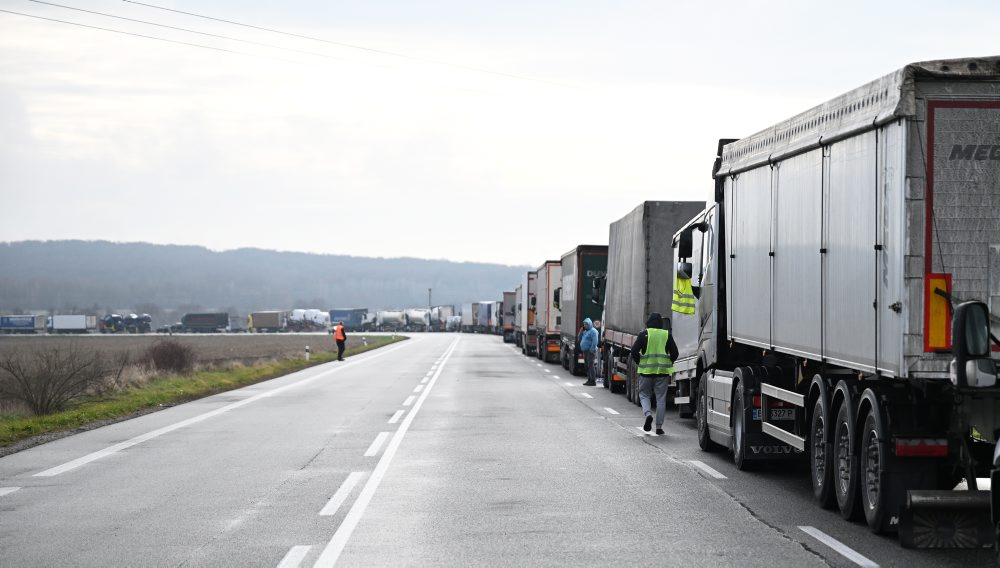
{"points": [[684, 270], [532, 302], [595, 293], [685, 244], [970, 333], [555, 297]]}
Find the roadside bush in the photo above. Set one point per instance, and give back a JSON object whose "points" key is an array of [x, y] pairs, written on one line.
{"points": [[170, 356], [48, 380]]}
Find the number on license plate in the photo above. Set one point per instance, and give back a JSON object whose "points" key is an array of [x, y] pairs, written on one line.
{"points": [[777, 414]]}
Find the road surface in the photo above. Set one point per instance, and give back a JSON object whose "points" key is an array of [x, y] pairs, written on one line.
{"points": [[442, 450]]}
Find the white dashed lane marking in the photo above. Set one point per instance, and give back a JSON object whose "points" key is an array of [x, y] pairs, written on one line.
{"points": [[611, 410], [707, 469], [377, 444], [342, 494], [7, 490], [839, 547], [395, 417], [295, 556], [585, 395], [409, 400]]}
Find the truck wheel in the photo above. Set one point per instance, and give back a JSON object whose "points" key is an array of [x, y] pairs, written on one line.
{"points": [[821, 455], [738, 423], [704, 438], [876, 482], [845, 464]]}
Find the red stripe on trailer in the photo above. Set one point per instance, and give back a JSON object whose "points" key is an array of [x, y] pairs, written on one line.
{"points": [[921, 447]]}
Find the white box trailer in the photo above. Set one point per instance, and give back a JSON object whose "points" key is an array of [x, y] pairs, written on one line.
{"points": [[547, 315], [827, 273], [72, 324]]}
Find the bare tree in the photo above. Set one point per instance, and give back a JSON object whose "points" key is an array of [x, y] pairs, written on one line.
{"points": [[48, 380]]}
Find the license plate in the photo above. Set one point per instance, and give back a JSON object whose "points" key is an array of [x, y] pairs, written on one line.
{"points": [[777, 414]]}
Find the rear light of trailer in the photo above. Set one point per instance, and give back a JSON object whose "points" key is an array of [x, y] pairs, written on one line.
{"points": [[922, 447], [617, 377]]}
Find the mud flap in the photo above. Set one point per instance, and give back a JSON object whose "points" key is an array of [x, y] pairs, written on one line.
{"points": [[946, 519]]}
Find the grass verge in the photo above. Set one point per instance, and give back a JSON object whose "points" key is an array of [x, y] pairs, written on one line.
{"points": [[163, 392]]}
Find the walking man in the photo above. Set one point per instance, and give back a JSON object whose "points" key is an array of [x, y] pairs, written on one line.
{"points": [[588, 345], [340, 336], [654, 351]]}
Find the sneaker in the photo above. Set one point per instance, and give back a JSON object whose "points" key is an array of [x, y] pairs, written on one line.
{"points": [[659, 431], [589, 384], [649, 424]]}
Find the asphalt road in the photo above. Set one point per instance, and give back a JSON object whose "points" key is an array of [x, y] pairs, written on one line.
{"points": [[443, 450]]}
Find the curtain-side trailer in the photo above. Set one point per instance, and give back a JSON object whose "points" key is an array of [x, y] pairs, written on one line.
{"points": [[638, 283], [547, 314], [845, 280]]}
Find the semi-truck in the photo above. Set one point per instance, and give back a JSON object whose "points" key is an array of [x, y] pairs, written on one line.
{"points": [[418, 319], [391, 320], [507, 315], [128, 323], [353, 318], [638, 283], [524, 332], [270, 321], [470, 313], [845, 281], [66, 323], [486, 317], [581, 268], [547, 315], [440, 316], [22, 324], [206, 322]]}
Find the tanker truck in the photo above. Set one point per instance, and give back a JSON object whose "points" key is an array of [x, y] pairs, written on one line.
{"points": [[836, 301], [418, 319], [391, 320]]}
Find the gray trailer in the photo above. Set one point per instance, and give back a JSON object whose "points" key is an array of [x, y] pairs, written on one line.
{"points": [[547, 314], [845, 279], [272, 321], [525, 326], [638, 283], [507, 315], [72, 324]]}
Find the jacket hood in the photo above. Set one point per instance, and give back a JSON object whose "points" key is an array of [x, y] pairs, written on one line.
{"points": [[655, 320], [588, 322]]}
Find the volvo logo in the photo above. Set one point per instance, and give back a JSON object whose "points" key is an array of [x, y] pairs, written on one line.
{"points": [[770, 450]]}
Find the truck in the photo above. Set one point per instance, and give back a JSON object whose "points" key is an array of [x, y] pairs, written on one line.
{"points": [[638, 283], [547, 315], [579, 299], [440, 316], [22, 324], [845, 281], [353, 318], [524, 327], [470, 313], [418, 319], [310, 319], [128, 323], [72, 324], [507, 315], [205, 322], [270, 321], [391, 320], [485, 317]]}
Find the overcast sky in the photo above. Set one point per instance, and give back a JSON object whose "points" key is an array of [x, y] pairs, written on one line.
{"points": [[587, 109]]}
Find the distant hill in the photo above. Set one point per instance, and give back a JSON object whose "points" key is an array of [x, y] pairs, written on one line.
{"points": [[99, 275]]}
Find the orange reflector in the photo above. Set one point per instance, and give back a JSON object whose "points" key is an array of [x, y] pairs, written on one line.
{"points": [[617, 377], [922, 447], [937, 313]]}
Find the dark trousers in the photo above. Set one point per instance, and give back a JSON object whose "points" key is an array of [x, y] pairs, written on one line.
{"points": [[340, 349]]}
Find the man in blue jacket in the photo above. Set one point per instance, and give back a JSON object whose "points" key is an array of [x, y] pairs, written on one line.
{"points": [[588, 345]]}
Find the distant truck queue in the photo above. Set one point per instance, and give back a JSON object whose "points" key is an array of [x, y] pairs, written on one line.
{"points": [[832, 304]]}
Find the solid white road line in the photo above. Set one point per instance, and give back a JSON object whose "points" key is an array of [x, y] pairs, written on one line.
{"points": [[707, 469], [839, 547], [409, 400], [195, 419], [395, 417], [419, 388], [342, 494], [7, 490], [336, 545], [377, 444], [295, 556], [611, 410]]}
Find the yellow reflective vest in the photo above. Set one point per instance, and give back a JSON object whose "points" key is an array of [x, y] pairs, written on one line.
{"points": [[655, 360], [683, 296]]}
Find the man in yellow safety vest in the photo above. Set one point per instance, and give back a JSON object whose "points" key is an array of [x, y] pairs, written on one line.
{"points": [[654, 351]]}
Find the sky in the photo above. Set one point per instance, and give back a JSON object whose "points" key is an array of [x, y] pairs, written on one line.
{"points": [[506, 132]]}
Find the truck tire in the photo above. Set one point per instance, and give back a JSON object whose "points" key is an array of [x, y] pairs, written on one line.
{"points": [[876, 483], [738, 422], [704, 438], [821, 455], [846, 464]]}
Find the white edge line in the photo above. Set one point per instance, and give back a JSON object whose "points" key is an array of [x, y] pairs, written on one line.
{"points": [[70, 465], [409, 400], [342, 494], [395, 417], [7, 490], [331, 552], [611, 410], [839, 547], [707, 469], [585, 395], [377, 444], [295, 556]]}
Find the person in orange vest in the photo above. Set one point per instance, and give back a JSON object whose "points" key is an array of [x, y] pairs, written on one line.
{"points": [[340, 336]]}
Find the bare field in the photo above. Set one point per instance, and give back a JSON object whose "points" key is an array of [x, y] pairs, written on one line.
{"points": [[209, 348]]}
